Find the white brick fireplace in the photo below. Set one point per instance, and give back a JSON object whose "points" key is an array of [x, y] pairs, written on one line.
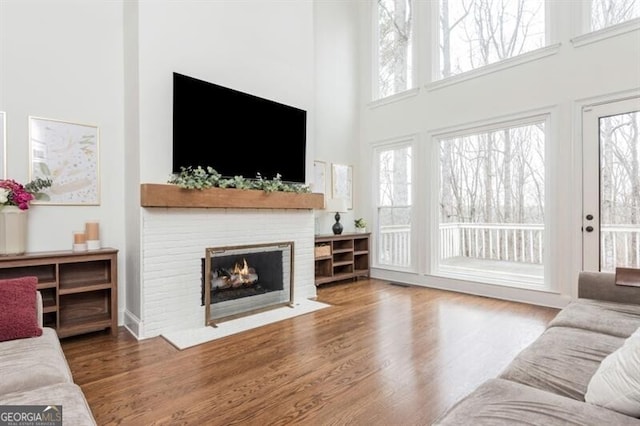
{"points": [[174, 242]]}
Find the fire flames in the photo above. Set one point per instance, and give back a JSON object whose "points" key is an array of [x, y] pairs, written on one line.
{"points": [[242, 271], [241, 275]]}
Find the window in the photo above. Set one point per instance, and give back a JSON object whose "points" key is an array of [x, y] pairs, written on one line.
{"points": [[491, 204], [605, 13], [619, 191], [394, 206], [475, 33], [394, 54]]}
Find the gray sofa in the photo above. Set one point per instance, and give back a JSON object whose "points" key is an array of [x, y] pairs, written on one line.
{"points": [[34, 371], [547, 382]]}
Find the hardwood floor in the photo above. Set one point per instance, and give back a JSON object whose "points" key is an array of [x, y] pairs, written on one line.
{"points": [[381, 355]]}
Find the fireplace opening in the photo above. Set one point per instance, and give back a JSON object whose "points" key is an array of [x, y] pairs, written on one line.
{"points": [[243, 279], [233, 277]]}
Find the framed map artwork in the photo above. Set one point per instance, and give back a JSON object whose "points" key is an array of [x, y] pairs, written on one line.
{"points": [[68, 154]]}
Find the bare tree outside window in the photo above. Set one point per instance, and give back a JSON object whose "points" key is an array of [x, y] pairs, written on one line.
{"points": [[394, 206], [492, 199], [620, 191], [475, 33], [605, 13], [395, 20]]}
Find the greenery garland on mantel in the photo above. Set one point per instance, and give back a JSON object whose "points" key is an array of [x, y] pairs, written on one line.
{"points": [[199, 178]]}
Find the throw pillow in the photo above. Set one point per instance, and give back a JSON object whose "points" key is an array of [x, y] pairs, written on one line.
{"points": [[616, 383], [628, 276], [18, 318]]}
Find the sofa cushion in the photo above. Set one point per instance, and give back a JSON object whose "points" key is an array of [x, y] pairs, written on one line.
{"points": [[18, 316], [501, 402], [28, 364], [616, 383], [562, 360], [75, 410], [616, 319]]}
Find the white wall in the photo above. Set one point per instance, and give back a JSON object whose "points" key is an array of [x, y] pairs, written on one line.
{"points": [[63, 60], [132, 164], [261, 47], [337, 95], [555, 82]]}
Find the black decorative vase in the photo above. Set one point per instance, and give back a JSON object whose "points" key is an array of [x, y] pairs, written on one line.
{"points": [[337, 227]]}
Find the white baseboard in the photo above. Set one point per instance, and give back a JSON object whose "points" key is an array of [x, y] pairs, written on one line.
{"points": [[133, 324]]}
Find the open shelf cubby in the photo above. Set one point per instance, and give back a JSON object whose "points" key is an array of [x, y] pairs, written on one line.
{"points": [[341, 257], [79, 289]]}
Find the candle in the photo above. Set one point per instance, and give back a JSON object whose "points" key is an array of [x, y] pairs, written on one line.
{"points": [[79, 241], [92, 230]]}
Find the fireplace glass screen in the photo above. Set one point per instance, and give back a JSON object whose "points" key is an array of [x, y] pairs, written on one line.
{"points": [[244, 279]]}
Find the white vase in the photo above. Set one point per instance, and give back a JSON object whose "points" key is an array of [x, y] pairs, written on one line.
{"points": [[13, 230], [361, 230]]}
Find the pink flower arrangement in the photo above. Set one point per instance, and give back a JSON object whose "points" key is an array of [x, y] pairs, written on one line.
{"points": [[13, 193]]}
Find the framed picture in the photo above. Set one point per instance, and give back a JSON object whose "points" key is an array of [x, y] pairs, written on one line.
{"points": [[342, 183], [320, 178], [3, 145], [67, 153]]}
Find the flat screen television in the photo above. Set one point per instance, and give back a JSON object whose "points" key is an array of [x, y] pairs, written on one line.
{"points": [[236, 133]]}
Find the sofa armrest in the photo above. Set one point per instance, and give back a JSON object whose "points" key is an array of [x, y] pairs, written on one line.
{"points": [[39, 308], [602, 286]]}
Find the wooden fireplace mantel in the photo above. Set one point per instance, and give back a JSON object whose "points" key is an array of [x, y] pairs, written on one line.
{"points": [[166, 195]]}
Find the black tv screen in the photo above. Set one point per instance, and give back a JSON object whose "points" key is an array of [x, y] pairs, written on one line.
{"points": [[236, 133]]}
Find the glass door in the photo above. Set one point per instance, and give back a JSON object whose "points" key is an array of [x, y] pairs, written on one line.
{"points": [[611, 179]]}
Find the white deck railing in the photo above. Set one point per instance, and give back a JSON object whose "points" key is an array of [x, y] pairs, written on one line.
{"points": [[506, 241], [515, 242], [620, 246], [395, 245]]}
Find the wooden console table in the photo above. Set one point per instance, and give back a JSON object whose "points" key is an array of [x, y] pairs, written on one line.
{"points": [[79, 289], [341, 257]]}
